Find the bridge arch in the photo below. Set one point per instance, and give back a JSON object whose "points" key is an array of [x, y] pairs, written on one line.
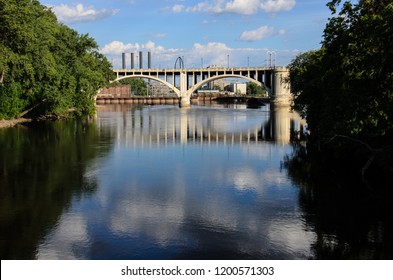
{"points": [[172, 87], [181, 62], [218, 77]]}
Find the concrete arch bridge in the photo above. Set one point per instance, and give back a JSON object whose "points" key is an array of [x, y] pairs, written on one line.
{"points": [[183, 82]]}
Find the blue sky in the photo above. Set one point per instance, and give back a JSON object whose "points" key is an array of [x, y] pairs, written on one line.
{"points": [[204, 32]]}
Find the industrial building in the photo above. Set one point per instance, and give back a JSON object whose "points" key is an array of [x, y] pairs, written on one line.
{"points": [[237, 88]]}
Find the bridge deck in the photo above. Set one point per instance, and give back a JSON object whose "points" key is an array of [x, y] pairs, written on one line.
{"points": [[207, 72]]}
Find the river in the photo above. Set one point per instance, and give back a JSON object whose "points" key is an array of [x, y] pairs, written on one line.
{"points": [[159, 182]]}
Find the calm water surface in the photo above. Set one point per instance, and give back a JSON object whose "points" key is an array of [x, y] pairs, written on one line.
{"points": [[159, 182]]}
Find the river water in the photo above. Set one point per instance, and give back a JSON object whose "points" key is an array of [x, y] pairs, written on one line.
{"points": [[159, 182]]}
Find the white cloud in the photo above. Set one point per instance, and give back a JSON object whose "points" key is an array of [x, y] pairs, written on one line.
{"points": [[117, 47], [177, 8], [214, 53], [241, 7], [151, 46], [80, 13], [274, 6], [203, 7], [212, 47], [161, 56], [257, 34], [244, 7], [260, 33], [211, 53]]}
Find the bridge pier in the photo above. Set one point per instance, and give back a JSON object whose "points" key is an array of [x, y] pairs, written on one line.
{"points": [[281, 91], [184, 102], [185, 96]]}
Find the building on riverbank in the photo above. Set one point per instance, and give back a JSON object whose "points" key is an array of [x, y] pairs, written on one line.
{"points": [[121, 91], [237, 88]]}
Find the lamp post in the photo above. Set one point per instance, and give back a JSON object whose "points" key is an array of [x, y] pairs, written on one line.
{"points": [[228, 60], [272, 58]]}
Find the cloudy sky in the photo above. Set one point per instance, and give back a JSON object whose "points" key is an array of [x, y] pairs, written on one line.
{"points": [[204, 32]]}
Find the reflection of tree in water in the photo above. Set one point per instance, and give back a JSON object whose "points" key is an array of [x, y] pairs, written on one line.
{"points": [[42, 167], [349, 221]]}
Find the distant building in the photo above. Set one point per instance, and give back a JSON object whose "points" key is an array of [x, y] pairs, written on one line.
{"points": [[217, 84], [208, 91], [118, 91], [237, 88]]}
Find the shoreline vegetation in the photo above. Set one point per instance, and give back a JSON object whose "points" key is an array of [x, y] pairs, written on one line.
{"points": [[13, 122], [21, 120], [46, 67], [345, 92]]}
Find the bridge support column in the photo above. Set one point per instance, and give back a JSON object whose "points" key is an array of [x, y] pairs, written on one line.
{"points": [[281, 91], [184, 102], [185, 97]]}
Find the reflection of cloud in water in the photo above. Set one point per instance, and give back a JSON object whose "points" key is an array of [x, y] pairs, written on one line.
{"points": [[211, 211], [196, 197], [70, 233], [291, 233], [160, 222], [179, 208], [183, 208], [246, 179], [266, 151]]}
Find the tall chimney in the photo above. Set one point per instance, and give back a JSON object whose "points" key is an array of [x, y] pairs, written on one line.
{"points": [[132, 61], [123, 59], [140, 60], [149, 60]]}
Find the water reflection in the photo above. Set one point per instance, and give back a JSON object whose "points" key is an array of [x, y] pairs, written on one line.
{"points": [[349, 222], [43, 168], [202, 183], [163, 125], [163, 183]]}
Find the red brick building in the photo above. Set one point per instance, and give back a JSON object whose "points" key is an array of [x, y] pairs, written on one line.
{"points": [[116, 92]]}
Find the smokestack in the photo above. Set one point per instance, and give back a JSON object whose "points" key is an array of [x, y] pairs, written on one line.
{"points": [[140, 60], [132, 61], [123, 59], [149, 60]]}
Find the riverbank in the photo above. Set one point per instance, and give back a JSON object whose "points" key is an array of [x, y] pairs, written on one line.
{"points": [[13, 122]]}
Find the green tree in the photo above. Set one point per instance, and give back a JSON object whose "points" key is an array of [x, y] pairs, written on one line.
{"points": [[217, 87], [346, 87], [138, 86], [254, 89], [44, 64]]}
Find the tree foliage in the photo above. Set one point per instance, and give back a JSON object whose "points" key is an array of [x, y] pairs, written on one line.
{"points": [[46, 65], [138, 86], [346, 87], [254, 89]]}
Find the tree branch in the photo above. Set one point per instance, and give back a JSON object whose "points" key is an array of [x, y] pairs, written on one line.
{"points": [[370, 160]]}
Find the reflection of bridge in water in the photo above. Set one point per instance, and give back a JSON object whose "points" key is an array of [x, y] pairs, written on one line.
{"points": [[165, 125]]}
